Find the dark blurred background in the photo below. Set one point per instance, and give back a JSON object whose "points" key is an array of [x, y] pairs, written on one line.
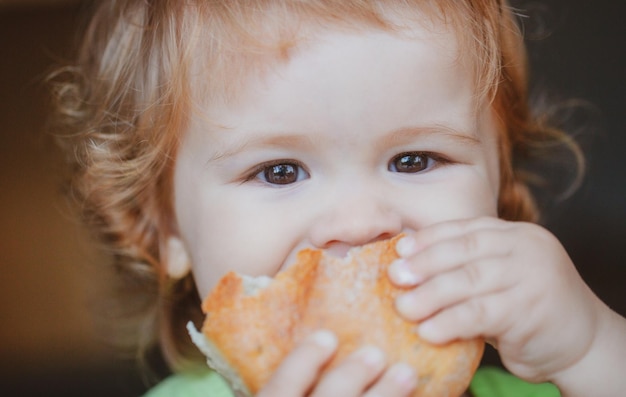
{"points": [[49, 343]]}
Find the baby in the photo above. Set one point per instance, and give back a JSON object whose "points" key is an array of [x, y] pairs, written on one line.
{"points": [[227, 135]]}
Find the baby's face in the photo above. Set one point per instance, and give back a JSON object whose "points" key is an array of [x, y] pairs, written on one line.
{"points": [[358, 137]]}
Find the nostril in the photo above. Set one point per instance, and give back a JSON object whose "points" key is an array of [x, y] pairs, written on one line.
{"points": [[385, 236]]}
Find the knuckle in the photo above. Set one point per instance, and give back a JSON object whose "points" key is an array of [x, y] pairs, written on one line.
{"points": [[470, 243], [479, 312], [473, 276]]}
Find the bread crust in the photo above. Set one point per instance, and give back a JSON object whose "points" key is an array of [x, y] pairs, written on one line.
{"points": [[350, 296]]}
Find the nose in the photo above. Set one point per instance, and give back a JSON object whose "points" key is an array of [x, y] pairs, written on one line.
{"points": [[353, 219]]}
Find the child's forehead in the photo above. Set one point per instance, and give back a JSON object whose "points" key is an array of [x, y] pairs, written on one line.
{"points": [[248, 45]]}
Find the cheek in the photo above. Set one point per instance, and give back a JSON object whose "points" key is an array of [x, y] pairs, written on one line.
{"points": [[466, 195], [215, 246], [231, 234], [477, 193]]}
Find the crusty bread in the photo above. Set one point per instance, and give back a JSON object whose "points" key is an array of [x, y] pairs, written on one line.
{"points": [[251, 324]]}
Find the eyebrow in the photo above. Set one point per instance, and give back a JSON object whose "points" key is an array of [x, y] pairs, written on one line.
{"points": [[408, 134], [395, 137], [272, 141]]}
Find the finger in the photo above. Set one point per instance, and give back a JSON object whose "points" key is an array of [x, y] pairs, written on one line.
{"points": [[399, 380], [480, 317], [415, 242], [300, 369], [472, 280], [353, 375], [449, 254]]}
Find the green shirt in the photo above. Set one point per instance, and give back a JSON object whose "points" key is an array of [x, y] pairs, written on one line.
{"points": [[488, 382]]}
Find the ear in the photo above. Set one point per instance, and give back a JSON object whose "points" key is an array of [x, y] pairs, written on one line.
{"points": [[177, 263]]}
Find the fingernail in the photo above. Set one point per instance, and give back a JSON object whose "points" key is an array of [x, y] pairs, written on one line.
{"points": [[406, 246], [404, 376], [404, 304], [401, 273], [325, 339], [371, 356]]}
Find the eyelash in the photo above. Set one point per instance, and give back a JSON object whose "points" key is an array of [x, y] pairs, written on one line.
{"points": [[265, 167], [432, 160]]}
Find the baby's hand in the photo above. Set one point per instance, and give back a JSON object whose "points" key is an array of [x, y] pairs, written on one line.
{"points": [[510, 282], [364, 373]]}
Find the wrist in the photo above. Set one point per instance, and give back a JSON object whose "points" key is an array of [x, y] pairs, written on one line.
{"points": [[599, 371]]}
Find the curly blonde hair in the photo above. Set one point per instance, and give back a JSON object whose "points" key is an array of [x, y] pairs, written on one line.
{"points": [[127, 98]]}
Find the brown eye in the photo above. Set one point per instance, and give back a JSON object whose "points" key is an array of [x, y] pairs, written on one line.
{"points": [[282, 173], [409, 162]]}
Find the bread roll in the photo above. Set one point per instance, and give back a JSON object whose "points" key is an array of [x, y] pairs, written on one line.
{"points": [[253, 323]]}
